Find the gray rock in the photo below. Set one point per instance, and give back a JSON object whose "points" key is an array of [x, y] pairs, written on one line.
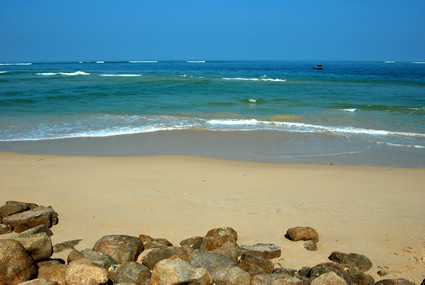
{"points": [[231, 276], [329, 278], [85, 274], [177, 271], [31, 218], [215, 238], [130, 272], [210, 260], [14, 207], [99, 258], [399, 281], [15, 264], [66, 245], [352, 259], [39, 245], [36, 230], [359, 277], [228, 249], [265, 250], [157, 243], [75, 255], [121, 248], [255, 265], [277, 279], [53, 272], [193, 242], [158, 254], [39, 281], [323, 268], [302, 233], [310, 245]]}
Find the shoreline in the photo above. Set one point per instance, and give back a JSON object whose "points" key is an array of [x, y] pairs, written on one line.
{"points": [[375, 211], [253, 146]]}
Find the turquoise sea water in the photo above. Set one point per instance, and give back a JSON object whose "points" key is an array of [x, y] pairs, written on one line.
{"points": [[361, 105]]}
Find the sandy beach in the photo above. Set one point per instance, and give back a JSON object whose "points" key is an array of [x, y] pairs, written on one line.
{"points": [[375, 211]]}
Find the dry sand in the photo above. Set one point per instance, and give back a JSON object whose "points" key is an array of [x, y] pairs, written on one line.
{"points": [[376, 211]]}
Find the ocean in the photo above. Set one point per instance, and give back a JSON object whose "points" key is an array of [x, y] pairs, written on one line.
{"points": [[347, 112]]}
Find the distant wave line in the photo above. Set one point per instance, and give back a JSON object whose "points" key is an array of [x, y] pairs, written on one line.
{"points": [[142, 61], [19, 63], [266, 79], [120, 75]]}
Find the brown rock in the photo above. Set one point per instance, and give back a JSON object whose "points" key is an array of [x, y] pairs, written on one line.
{"points": [[352, 259], [121, 248], [330, 278], [177, 271], [157, 243], [36, 230], [39, 281], [145, 238], [399, 281], [53, 272], [302, 233], [66, 245], [210, 260], [255, 265], [98, 258], [15, 263], [85, 274], [130, 272], [215, 238], [5, 229], [337, 268], [265, 250], [31, 218], [231, 276], [310, 245], [14, 207], [39, 245], [276, 279], [193, 242], [228, 249], [74, 255], [158, 254]]}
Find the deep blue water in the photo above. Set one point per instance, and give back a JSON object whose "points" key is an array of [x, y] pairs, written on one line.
{"points": [[377, 103]]}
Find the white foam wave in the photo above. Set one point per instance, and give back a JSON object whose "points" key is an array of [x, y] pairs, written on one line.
{"points": [[120, 75], [3, 72], [196, 61], [418, 62], [74, 73], [142, 61], [389, 61], [266, 79], [47, 73], [18, 63], [100, 61], [402, 145], [349, 110]]}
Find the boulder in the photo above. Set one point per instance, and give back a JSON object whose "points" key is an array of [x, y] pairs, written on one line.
{"points": [[85, 274], [359, 277], [36, 230], [255, 265], [231, 276], [39, 281], [323, 268], [177, 271], [215, 238], [53, 272], [98, 258], [121, 248], [210, 260], [15, 263], [75, 255], [39, 245], [31, 218], [157, 243], [278, 279], [352, 259], [399, 281], [5, 229], [228, 249], [130, 272], [66, 245], [193, 242], [302, 233], [154, 256], [14, 207], [329, 278], [265, 250]]}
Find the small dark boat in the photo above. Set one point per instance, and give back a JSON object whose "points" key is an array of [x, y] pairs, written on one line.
{"points": [[319, 66]]}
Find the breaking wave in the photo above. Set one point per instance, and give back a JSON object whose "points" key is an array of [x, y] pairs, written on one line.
{"points": [[266, 79]]}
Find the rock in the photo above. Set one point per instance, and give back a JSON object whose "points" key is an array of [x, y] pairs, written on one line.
{"points": [[31, 218], [353, 259], [157, 243], [215, 238], [66, 245], [15, 263], [265, 250], [85, 274], [323, 268], [130, 272], [231, 276], [39, 281], [14, 207], [53, 272], [286, 271], [98, 258], [382, 273], [74, 255], [145, 238], [423, 282], [178, 271], [310, 245], [5, 229], [121, 248], [358, 277], [304, 272], [36, 230], [39, 245], [193, 242], [277, 279], [158, 254], [330, 278], [255, 265], [302, 233], [210, 260], [49, 262], [228, 249], [399, 281]]}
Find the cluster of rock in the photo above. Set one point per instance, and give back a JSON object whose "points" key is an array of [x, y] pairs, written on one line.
{"points": [[215, 258]]}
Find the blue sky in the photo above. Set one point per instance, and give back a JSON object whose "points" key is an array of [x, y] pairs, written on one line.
{"points": [[54, 30]]}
